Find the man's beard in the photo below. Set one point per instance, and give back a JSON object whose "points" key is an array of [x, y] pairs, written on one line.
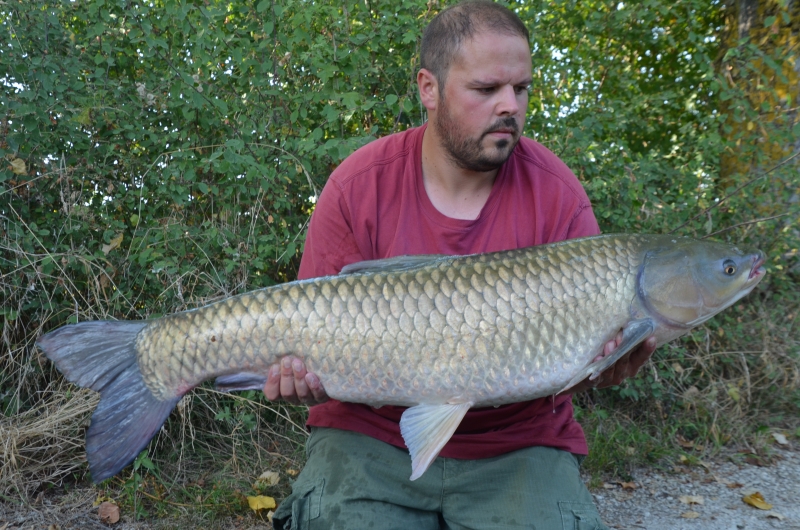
{"points": [[467, 152]]}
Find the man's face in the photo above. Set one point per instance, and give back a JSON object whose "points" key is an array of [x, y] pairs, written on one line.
{"points": [[481, 111]]}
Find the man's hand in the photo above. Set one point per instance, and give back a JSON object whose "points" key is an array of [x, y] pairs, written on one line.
{"points": [[290, 382], [626, 367]]}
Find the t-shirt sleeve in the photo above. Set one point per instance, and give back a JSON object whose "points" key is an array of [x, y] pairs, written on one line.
{"points": [[584, 223], [330, 242]]}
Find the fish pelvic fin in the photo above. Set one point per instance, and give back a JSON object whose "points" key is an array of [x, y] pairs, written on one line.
{"points": [[240, 381], [634, 333], [426, 429], [101, 356]]}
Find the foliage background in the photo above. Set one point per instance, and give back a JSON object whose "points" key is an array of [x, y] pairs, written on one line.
{"points": [[159, 155]]}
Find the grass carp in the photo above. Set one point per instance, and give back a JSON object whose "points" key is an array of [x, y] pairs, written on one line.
{"points": [[439, 334]]}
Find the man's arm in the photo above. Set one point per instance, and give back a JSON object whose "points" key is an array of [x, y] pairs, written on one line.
{"points": [[330, 245]]}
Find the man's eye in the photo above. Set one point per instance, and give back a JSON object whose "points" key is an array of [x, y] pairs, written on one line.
{"points": [[522, 89]]}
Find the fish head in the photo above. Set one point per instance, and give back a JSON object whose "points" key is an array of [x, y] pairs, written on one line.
{"points": [[684, 282]]}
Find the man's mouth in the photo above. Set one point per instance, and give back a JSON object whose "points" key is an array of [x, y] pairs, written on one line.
{"points": [[504, 128]]}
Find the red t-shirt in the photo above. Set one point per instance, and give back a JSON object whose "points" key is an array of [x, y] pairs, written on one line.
{"points": [[375, 206]]}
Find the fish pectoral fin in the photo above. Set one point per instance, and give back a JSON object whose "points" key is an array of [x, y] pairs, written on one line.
{"points": [[426, 429], [633, 334], [240, 381]]}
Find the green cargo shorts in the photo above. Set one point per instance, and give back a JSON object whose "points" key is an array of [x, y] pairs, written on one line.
{"points": [[354, 482]]}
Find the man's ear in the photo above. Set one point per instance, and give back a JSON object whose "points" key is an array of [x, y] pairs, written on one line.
{"points": [[428, 89]]}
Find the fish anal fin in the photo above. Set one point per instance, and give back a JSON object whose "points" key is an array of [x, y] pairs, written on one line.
{"points": [[240, 381], [426, 429], [633, 334]]}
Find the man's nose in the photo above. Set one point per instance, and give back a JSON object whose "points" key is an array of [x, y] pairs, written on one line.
{"points": [[507, 104]]}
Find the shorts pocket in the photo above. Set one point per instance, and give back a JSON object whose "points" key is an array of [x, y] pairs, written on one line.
{"points": [[580, 516], [300, 508]]}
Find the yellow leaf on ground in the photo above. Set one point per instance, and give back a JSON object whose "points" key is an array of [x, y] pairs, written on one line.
{"points": [[18, 167], [108, 512], [690, 515], [757, 500], [261, 502], [691, 499]]}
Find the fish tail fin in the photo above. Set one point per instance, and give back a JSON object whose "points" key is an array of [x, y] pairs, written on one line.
{"points": [[102, 356]]}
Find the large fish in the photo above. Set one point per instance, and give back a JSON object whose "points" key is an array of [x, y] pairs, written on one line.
{"points": [[439, 334]]}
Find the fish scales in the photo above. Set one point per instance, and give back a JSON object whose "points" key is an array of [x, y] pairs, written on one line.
{"points": [[475, 320], [435, 333]]}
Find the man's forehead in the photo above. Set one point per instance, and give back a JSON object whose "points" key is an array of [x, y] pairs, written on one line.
{"points": [[486, 40]]}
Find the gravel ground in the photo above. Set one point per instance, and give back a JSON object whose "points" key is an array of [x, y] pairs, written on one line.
{"points": [[706, 496]]}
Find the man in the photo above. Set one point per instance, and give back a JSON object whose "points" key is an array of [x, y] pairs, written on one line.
{"points": [[466, 182]]}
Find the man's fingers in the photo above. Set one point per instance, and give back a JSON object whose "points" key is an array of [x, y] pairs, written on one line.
{"points": [[315, 385], [272, 388], [643, 353], [287, 387], [301, 389]]}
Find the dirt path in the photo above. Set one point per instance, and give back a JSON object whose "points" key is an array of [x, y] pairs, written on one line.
{"points": [[705, 496]]}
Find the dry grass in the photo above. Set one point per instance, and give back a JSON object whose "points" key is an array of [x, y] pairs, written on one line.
{"points": [[44, 444]]}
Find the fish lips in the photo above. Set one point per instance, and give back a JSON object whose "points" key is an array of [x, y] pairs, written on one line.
{"points": [[757, 269]]}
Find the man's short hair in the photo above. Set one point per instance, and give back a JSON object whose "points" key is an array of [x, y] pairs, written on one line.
{"points": [[443, 37]]}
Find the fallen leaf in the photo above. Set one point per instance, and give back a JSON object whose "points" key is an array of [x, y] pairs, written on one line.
{"points": [[734, 485], [269, 478], [114, 243], [691, 499], [683, 442], [609, 486], [775, 515], [292, 472], [690, 515], [261, 502], [757, 501], [628, 485], [733, 392], [108, 512], [781, 439], [755, 460], [53, 527], [18, 167]]}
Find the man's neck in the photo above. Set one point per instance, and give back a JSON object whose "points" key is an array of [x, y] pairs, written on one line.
{"points": [[455, 192]]}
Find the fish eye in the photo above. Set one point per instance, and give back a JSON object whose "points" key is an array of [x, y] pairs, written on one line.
{"points": [[729, 267]]}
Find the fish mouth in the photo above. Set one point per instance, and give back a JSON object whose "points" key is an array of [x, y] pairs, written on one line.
{"points": [[758, 270]]}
